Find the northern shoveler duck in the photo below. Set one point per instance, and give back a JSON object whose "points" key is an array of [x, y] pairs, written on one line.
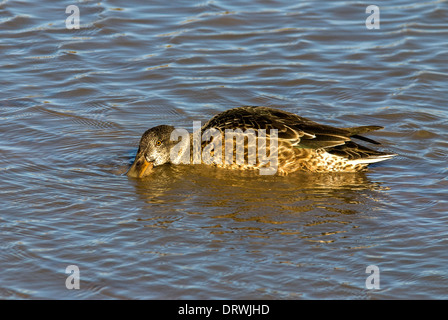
{"points": [[298, 144]]}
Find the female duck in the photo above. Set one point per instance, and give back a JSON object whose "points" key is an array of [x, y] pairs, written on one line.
{"points": [[274, 141]]}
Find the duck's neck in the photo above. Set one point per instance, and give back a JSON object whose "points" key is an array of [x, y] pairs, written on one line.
{"points": [[188, 149]]}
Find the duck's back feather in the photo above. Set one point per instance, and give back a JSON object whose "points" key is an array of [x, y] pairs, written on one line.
{"points": [[301, 132]]}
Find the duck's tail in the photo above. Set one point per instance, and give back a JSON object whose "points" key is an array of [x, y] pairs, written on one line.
{"points": [[356, 131], [359, 154]]}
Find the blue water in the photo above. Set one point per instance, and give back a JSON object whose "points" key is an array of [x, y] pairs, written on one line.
{"points": [[74, 103]]}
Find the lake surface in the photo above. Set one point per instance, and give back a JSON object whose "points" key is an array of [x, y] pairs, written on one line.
{"points": [[74, 103]]}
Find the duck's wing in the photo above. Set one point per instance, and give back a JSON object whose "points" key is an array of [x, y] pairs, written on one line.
{"points": [[359, 154], [299, 131]]}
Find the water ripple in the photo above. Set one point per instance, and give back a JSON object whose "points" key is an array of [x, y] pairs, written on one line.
{"points": [[75, 103]]}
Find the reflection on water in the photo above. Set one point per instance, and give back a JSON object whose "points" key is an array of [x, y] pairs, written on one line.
{"points": [[287, 205], [75, 102]]}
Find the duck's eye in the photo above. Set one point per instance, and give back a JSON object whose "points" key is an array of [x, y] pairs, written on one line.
{"points": [[158, 143]]}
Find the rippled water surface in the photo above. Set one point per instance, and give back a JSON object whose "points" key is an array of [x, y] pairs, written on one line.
{"points": [[74, 103]]}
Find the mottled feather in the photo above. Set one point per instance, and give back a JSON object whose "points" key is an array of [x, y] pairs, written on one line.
{"points": [[303, 145]]}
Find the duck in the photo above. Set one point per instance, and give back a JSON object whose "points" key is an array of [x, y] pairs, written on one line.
{"points": [[268, 140]]}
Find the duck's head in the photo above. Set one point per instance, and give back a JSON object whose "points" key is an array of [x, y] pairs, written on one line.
{"points": [[154, 150]]}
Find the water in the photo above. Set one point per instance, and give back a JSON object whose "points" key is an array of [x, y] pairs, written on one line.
{"points": [[74, 104]]}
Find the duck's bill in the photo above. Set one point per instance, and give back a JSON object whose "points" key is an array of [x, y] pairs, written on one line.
{"points": [[140, 168]]}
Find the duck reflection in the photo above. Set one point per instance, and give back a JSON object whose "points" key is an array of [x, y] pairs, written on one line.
{"points": [[308, 205]]}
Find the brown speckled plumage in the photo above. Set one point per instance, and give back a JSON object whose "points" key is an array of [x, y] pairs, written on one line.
{"points": [[303, 145]]}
